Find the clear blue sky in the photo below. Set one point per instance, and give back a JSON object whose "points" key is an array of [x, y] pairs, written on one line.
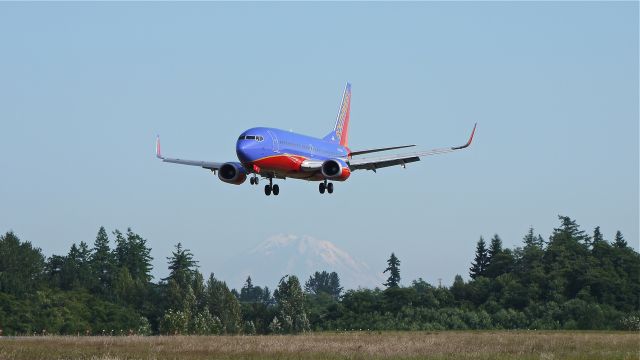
{"points": [[84, 89]]}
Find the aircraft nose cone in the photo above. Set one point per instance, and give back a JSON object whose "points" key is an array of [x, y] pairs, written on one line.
{"points": [[242, 150]]}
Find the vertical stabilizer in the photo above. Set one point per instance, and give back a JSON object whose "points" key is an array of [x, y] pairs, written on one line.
{"points": [[340, 133]]}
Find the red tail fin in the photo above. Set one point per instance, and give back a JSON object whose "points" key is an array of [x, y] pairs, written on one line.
{"points": [[340, 133]]}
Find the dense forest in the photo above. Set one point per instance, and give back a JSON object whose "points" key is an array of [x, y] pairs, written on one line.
{"points": [[573, 280]]}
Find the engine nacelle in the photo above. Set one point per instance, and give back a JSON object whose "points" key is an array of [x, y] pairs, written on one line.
{"points": [[232, 173], [335, 169]]}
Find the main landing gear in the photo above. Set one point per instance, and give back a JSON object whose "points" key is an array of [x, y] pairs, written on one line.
{"points": [[254, 180], [271, 188], [325, 186]]}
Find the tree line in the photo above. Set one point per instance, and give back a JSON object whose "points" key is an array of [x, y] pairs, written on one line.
{"points": [[573, 280]]}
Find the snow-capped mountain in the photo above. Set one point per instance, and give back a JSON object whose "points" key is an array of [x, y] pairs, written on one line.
{"points": [[282, 255]]}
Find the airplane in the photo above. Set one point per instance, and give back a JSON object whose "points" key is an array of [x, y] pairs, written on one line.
{"points": [[279, 154]]}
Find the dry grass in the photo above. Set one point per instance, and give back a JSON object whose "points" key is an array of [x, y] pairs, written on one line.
{"points": [[365, 345]]}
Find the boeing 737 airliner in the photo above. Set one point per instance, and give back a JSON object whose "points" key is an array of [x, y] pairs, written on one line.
{"points": [[278, 154]]}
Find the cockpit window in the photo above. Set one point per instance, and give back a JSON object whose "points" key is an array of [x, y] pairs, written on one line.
{"points": [[251, 137]]}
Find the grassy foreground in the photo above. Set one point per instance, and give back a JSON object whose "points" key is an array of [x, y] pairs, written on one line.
{"points": [[364, 345]]}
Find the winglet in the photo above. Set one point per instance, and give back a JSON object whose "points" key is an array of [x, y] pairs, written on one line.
{"points": [[468, 142], [158, 153]]}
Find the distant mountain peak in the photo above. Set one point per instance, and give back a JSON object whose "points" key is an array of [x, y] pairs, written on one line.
{"points": [[289, 254]]}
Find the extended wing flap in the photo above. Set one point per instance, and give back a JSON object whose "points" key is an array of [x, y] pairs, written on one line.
{"points": [[382, 163]]}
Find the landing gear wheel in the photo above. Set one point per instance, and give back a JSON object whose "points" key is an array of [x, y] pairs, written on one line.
{"points": [[256, 180], [252, 181], [322, 187], [267, 190], [330, 188], [276, 189]]}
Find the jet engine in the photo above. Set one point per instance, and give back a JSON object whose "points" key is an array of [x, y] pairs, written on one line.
{"points": [[232, 173], [335, 169]]}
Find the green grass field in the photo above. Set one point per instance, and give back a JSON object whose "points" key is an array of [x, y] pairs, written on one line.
{"points": [[361, 345]]}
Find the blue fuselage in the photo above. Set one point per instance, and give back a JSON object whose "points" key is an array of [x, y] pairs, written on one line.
{"points": [[279, 152]]}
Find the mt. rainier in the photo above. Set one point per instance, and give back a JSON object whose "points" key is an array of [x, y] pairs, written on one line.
{"points": [[282, 255]]}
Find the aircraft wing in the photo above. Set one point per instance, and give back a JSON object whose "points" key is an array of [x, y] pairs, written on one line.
{"points": [[361, 152], [203, 164], [374, 163]]}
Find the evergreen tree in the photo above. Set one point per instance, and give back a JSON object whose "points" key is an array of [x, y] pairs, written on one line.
{"points": [[248, 285], [459, 289], [121, 252], [499, 261], [530, 240], [102, 262], [324, 282], [619, 241], [179, 285], [174, 295], [132, 281], [132, 252], [247, 293], [250, 293], [569, 232], [85, 278], [139, 257], [223, 305], [70, 272], [21, 265], [602, 278], [528, 265], [124, 287], [566, 261], [256, 306], [597, 236], [481, 260], [267, 299], [182, 267], [495, 247], [53, 270], [334, 285], [393, 267]]}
